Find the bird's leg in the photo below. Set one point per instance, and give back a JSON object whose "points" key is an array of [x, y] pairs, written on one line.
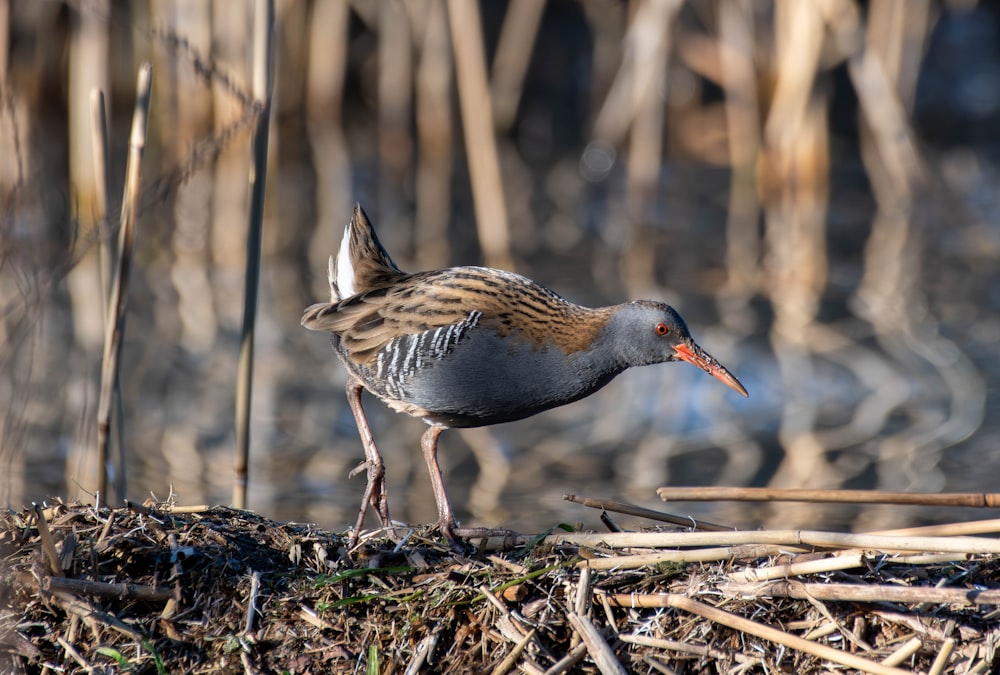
{"points": [[375, 493], [446, 519]]}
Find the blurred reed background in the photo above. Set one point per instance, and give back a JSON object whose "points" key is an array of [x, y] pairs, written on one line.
{"points": [[812, 184]]}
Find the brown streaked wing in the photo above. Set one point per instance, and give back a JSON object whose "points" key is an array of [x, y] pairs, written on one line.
{"points": [[425, 301]]}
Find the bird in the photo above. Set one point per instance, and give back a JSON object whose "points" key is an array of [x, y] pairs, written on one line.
{"points": [[475, 346]]}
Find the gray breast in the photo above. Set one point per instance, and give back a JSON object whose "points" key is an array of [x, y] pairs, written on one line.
{"points": [[466, 375]]}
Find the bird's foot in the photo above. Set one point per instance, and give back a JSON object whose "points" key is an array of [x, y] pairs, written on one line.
{"points": [[375, 495]]}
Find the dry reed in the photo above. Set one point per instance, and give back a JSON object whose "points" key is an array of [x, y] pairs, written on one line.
{"points": [[292, 596], [262, 76], [116, 317]]}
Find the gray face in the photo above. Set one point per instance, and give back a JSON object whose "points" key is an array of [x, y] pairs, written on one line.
{"points": [[646, 332]]}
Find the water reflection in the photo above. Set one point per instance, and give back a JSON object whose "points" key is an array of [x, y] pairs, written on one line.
{"points": [[847, 276]]}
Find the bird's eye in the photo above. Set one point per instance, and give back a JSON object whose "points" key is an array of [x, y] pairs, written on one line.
{"points": [[662, 329]]}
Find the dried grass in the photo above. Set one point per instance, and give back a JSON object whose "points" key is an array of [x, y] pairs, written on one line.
{"points": [[158, 589]]}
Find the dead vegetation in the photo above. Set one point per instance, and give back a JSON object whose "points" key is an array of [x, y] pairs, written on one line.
{"points": [[156, 589]]}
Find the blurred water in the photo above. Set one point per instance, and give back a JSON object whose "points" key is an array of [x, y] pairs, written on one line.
{"points": [[854, 406]]}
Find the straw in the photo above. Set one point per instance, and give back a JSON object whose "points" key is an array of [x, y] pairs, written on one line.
{"points": [[262, 57], [750, 494], [115, 331]]}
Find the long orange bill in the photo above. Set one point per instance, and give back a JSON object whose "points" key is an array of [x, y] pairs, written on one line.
{"points": [[694, 354]]}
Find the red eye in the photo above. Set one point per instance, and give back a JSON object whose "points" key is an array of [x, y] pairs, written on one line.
{"points": [[662, 329]]}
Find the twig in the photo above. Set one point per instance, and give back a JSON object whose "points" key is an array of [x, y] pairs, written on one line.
{"points": [[509, 660], [506, 624], [631, 562], [811, 598], [609, 523], [970, 545], [136, 507], [749, 494], [942, 658], [839, 561], [194, 508], [248, 667], [656, 663], [766, 632], [252, 601], [673, 645], [573, 657], [262, 57], [641, 512], [599, 650], [77, 656], [105, 531], [908, 649], [82, 608], [103, 589], [424, 649], [844, 593], [309, 615], [970, 527], [583, 593], [99, 142], [114, 333], [913, 623], [48, 545], [822, 631]]}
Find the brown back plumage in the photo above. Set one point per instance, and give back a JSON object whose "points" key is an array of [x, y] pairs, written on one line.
{"points": [[415, 303]]}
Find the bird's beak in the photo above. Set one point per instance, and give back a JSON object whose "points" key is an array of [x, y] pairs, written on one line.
{"points": [[692, 353]]}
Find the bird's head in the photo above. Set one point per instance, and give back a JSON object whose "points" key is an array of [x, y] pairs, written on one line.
{"points": [[645, 332]]}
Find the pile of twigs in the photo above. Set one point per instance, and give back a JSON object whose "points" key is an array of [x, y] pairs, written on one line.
{"points": [[158, 588]]}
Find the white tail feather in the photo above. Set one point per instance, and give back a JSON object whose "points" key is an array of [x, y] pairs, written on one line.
{"points": [[342, 271]]}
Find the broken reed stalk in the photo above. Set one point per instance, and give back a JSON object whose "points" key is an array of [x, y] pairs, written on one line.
{"points": [[847, 558], [631, 562], [114, 333], [641, 512], [758, 629], [749, 494], [99, 141], [252, 610], [421, 653], [598, 648], [48, 545], [967, 597], [72, 652], [511, 659], [573, 657], [908, 649], [101, 589], [262, 57], [84, 609], [797, 538], [844, 560], [942, 658]]}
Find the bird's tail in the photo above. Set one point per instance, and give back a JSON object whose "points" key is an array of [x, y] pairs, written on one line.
{"points": [[361, 263]]}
